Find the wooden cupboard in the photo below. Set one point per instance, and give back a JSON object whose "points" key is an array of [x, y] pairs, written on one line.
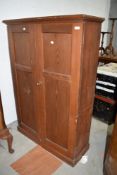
{"points": [[54, 61]]}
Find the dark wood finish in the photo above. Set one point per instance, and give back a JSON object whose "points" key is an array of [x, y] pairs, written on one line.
{"points": [[4, 132], [108, 59], [110, 164], [54, 62]]}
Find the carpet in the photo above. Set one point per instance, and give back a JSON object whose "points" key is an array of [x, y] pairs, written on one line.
{"points": [[38, 161]]}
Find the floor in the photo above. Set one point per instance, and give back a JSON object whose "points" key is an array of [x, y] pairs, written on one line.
{"points": [[90, 164]]}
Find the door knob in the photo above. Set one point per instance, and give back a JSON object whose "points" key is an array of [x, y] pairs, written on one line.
{"points": [[39, 83], [24, 28]]}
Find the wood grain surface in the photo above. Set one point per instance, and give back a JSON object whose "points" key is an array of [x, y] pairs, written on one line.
{"points": [[37, 161], [54, 62]]}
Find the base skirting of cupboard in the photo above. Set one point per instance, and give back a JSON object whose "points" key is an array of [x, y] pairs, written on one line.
{"points": [[71, 161], [26, 131], [54, 62]]}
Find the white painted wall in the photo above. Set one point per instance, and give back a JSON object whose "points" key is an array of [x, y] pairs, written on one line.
{"points": [[113, 14], [10, 9]]}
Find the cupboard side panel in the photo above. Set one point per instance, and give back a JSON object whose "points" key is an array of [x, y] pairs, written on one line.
{"points": [[89, 64], [87, 83], [76, 66]]}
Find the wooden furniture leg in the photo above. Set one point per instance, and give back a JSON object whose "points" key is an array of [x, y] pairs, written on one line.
{"points": [[4, 131], [9, 141], [6, 135]]}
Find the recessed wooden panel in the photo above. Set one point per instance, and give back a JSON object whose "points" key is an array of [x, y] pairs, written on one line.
{"points": [[20, 28], [26, 102], [22, 48], [57, 52], [57, 110], [57, 28]]}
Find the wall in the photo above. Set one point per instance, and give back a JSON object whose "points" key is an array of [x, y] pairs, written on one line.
{"points": [[30, 8], [113, 14]]}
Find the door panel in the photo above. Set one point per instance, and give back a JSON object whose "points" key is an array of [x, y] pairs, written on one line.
{"points": [[25, 78], [26, 94], [57, 52], [22, 48], [57, 110]]}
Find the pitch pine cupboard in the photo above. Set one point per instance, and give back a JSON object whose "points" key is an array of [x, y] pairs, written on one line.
{"points": [[54, 61]]}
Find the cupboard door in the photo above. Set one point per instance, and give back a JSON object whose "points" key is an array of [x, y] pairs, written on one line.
{"points": [[25, 77], [57, 70]]}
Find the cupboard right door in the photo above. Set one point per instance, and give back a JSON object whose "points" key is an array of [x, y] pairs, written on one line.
{"points": [[59, 81], [57, 68]]}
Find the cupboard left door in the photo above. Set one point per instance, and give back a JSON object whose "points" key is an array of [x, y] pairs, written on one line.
{"points": [[24, 73]]}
